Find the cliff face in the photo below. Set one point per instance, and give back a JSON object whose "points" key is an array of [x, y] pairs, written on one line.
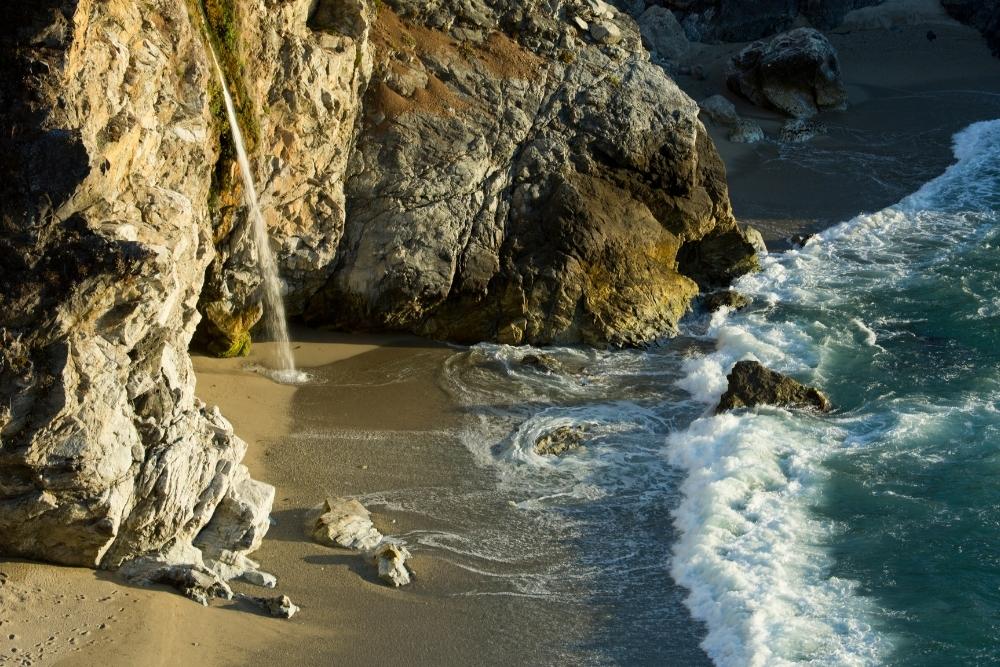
{"points": [[512, 171], [105, 453], [525, 177], [298, 69]]}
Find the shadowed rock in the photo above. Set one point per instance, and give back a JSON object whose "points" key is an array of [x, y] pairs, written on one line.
{"points": [[725, 299], [796, 72], [751, 384], [560, 441]]}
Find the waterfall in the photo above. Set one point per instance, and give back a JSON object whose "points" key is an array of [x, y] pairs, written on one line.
{"points": [[274, 307]]}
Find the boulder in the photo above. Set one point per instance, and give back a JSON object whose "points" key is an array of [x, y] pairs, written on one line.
{"points": [[344, 522], [663, 35], [390, 558], [535, 193], [559, 441], [725, 299], [237, 529], [751, 384], [796, 73], [720, 110], [801, 130]]}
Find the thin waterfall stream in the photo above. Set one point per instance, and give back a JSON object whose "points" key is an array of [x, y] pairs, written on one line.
{"points": [[274, 307]]}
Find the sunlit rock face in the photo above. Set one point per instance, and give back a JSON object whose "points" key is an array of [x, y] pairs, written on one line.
{"points": [[518, 179], [298, 69], [464, 170], [106, 455]]}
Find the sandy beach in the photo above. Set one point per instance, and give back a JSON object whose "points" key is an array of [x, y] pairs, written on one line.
{"points": [[908, 95], [379, 422]]}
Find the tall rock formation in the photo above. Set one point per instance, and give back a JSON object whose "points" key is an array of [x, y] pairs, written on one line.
{"points": [[298, 69], [106, 455], [984, 15], [527, 176], [470, 170]]}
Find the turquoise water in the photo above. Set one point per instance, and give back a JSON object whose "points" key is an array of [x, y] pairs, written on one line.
{"points": [[773, 537], [870, 536]]}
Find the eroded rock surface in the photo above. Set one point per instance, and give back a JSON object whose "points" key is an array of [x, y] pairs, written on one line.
{"points": [[301, 68], [796, 72], [543, 187], [344, 522], [106, 455], [390, 559], [751, 384], [746, 20], [463, 169]]}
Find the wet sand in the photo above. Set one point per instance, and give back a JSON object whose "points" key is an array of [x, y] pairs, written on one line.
{"points": [[908, 96]]}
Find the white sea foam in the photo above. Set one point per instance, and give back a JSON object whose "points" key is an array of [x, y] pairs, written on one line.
{"points": [[751, 548]]}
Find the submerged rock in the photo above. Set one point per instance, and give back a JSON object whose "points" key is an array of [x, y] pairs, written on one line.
{"points": [[344, 522], [796, 72], [746, 132], [543, 362], [725, 299], [560, 441], [390, 558], [751, 384]]}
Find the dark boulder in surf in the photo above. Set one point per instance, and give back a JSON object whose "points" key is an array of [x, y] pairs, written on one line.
{"points": [[725, 299], [751, 383]]}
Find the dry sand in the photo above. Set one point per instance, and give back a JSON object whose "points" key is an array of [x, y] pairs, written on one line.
{"points": [[908, 96]]}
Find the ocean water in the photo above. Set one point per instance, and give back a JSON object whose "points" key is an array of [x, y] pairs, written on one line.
{"points": [[772, 537]]}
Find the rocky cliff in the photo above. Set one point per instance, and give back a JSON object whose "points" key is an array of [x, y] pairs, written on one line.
{"points": [[469, 170], [526, 176], [106, 455]]}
